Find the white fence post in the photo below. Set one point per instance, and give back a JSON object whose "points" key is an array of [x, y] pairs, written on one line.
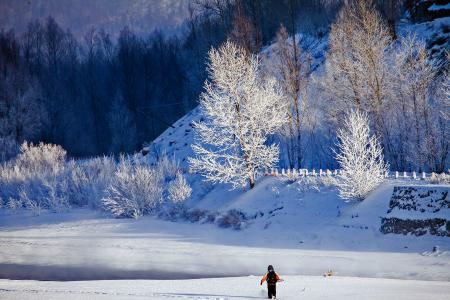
{"points": [[282, 172], [414, 175], [424, 175], [396, 174], [294, 172]]}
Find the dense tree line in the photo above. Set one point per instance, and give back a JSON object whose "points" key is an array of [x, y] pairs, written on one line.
{"points": [[99, 96], [92, 96]]}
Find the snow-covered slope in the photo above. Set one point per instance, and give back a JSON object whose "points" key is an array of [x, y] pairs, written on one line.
{"points": [[175, 141]]}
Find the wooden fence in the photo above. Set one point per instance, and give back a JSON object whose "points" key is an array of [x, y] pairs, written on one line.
{"points": [[293, 173]]}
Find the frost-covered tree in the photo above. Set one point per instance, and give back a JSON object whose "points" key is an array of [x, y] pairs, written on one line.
{"points": [[360, 157], [179, 190], [241, 111], [414, 116], [357, 71]]}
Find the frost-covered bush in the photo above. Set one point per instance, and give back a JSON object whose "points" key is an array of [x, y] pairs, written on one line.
{"points": [[56, 194], [139, 189], [89, 179], [41, 177], [14, 204], [360, 157], [36, 177], [179, 190], [166, 167], [134, 191], [30, 204], [39, 159]]}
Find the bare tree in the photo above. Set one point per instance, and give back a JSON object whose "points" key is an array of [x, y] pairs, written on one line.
{"points": [[243, 32], [292, 65]]}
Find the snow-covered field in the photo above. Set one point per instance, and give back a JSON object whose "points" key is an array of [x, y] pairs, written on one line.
{"points": [[295, 287], [300, 231]]}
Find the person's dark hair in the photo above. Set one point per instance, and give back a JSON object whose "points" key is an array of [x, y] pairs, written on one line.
{"points": [[270, 268]]}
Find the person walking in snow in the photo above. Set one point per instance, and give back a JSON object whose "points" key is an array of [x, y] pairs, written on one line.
{"points": [[271, 278]]}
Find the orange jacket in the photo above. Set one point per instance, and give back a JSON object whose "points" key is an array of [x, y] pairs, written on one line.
{"points": [[264, 278]]}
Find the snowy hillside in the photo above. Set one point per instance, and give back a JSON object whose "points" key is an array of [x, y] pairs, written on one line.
{"points": [[177, 140]]}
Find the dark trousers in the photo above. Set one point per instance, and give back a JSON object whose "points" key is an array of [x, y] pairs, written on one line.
{"points": [[272, 290]]}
